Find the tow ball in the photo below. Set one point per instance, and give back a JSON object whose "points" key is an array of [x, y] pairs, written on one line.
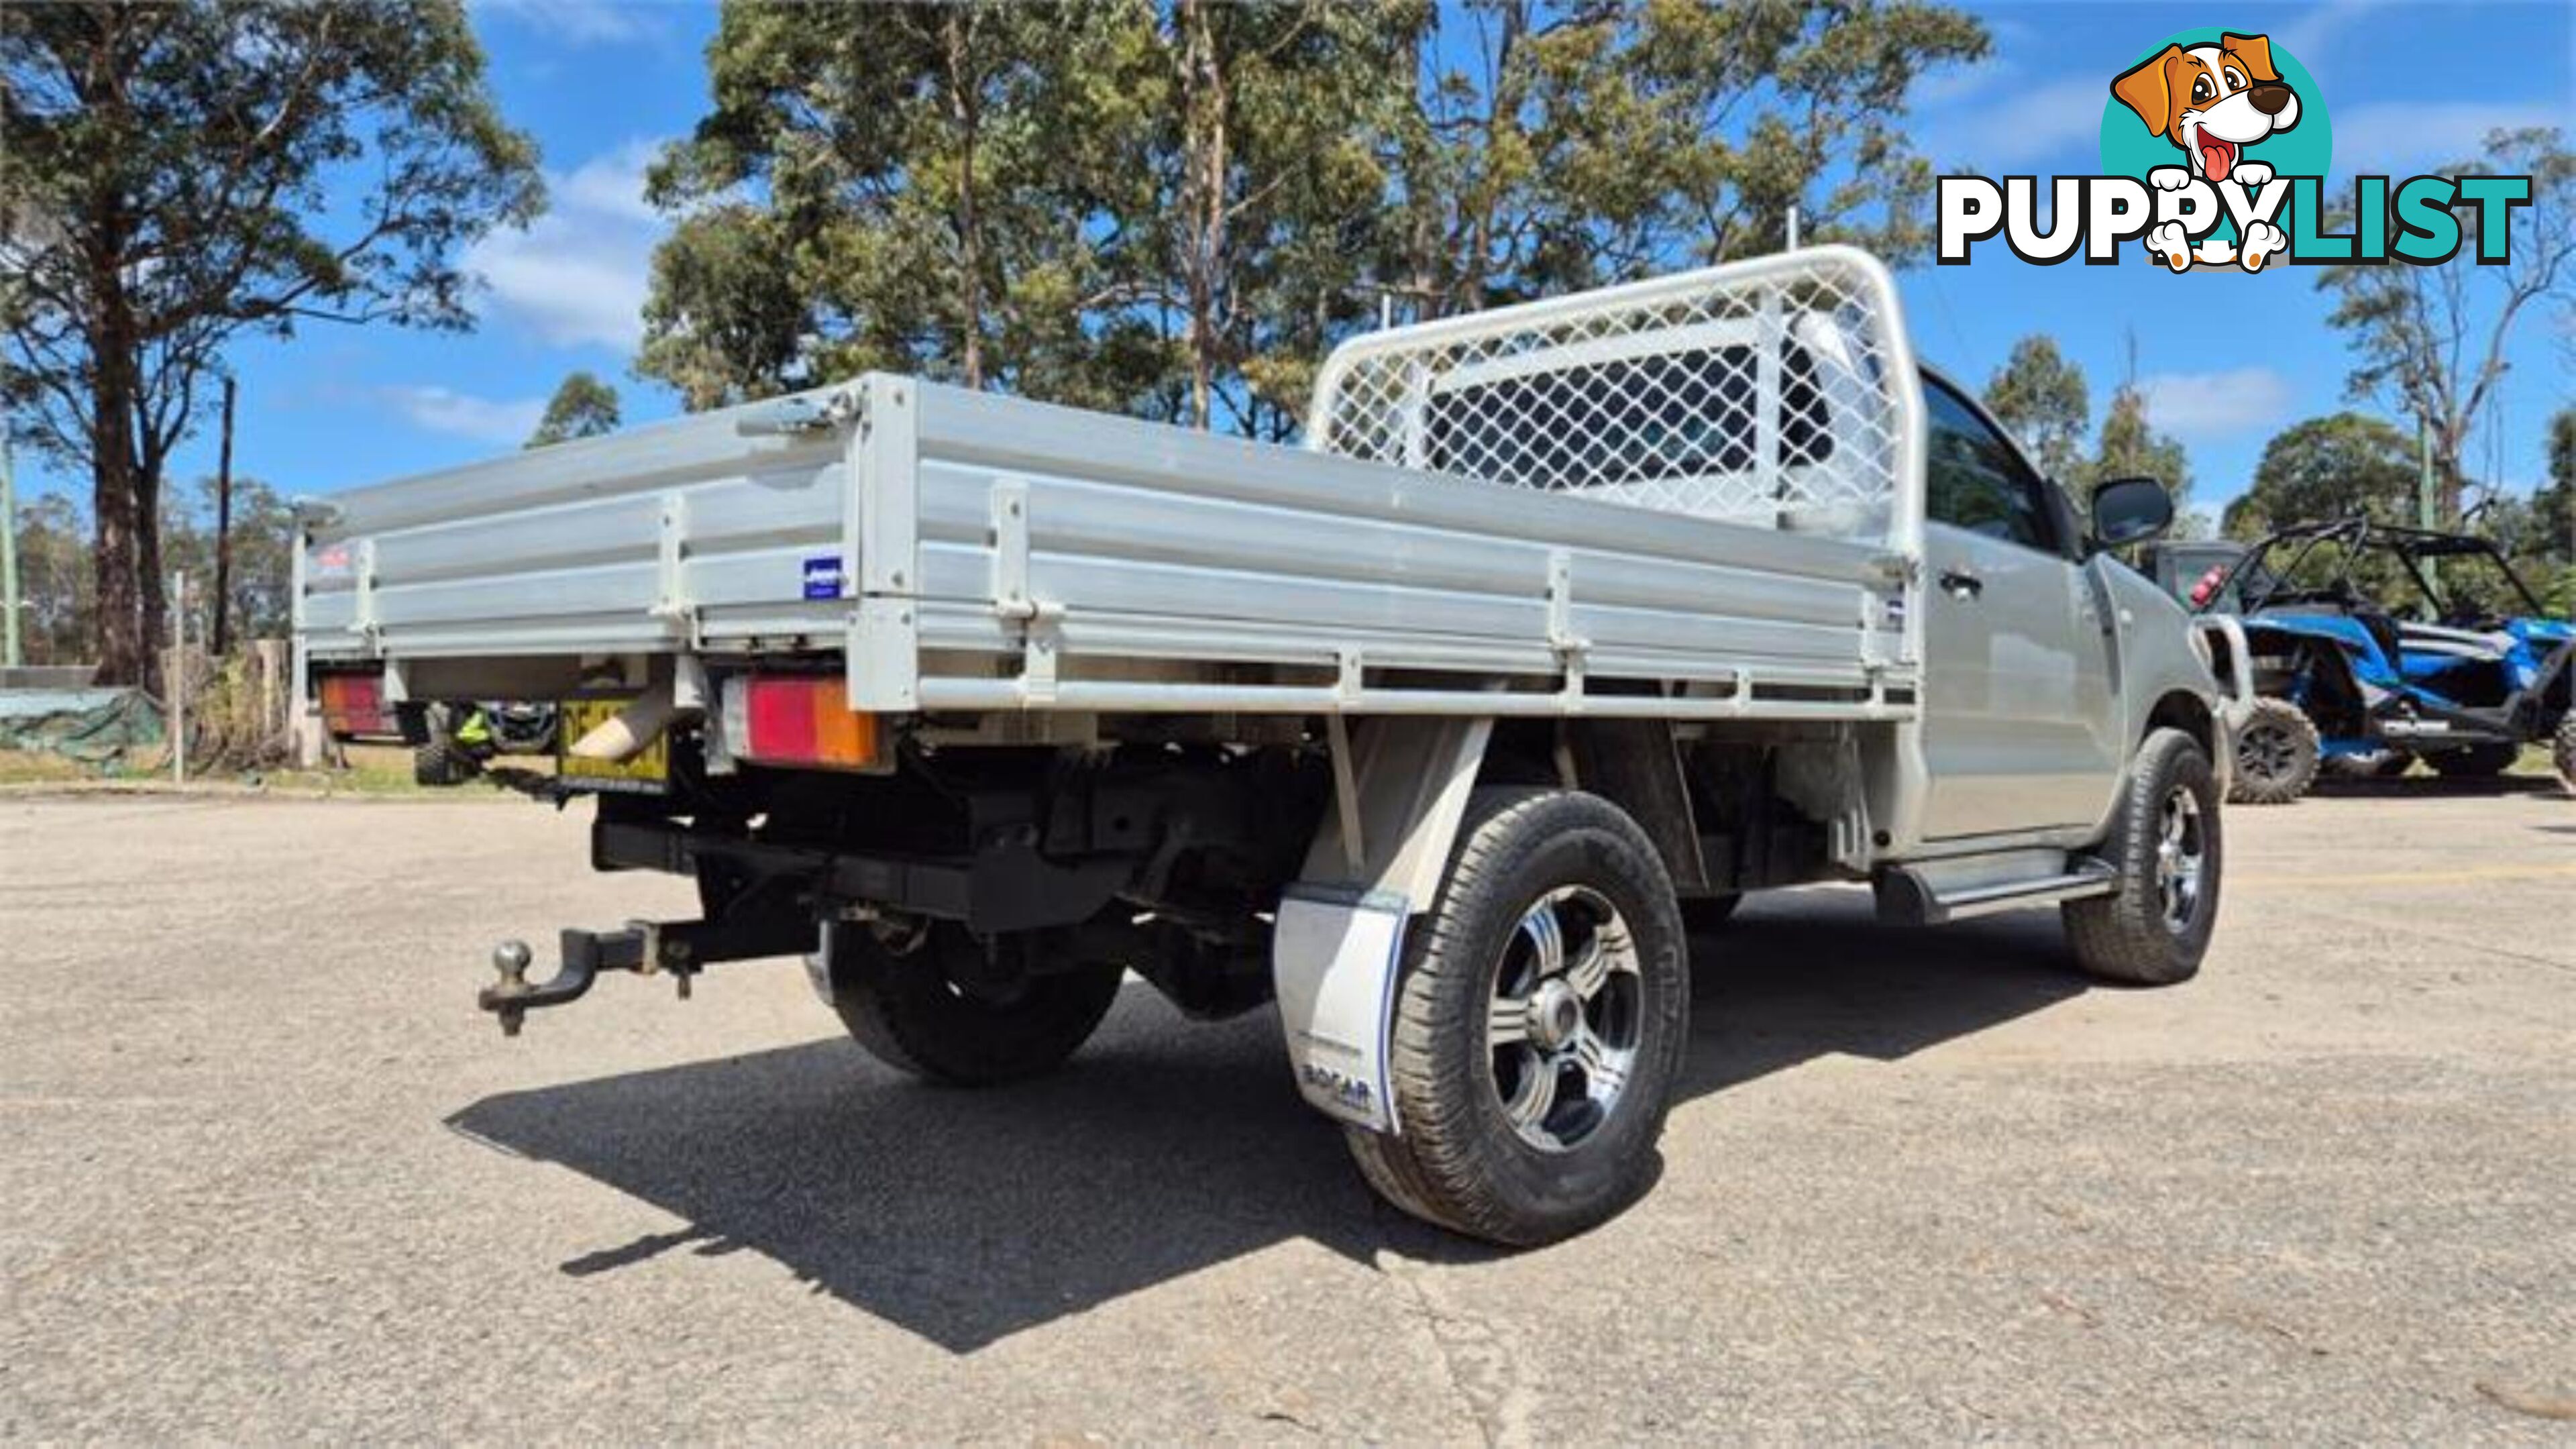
{"points": [[679, 949], [585, 955]]}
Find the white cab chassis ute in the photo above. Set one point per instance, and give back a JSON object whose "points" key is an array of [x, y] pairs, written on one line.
{"points": [[1571, 623]]}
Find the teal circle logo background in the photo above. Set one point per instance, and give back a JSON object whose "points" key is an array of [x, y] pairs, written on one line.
{"points": [[2306, 149]]}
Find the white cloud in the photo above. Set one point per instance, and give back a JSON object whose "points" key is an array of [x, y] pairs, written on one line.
{"points": [[2204, 405], [610, 184], [2005, 129], [2404, 138], [579, 22], [1951, 84], [503, 421], [578, 274], [2308, 37]]}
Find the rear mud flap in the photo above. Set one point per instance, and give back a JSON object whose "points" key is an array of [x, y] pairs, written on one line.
{"points": [[1333, 959]]}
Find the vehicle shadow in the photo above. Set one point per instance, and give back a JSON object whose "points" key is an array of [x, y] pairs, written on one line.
{"points": [[1812, 973], [1167, 1147], [2423, 782]]}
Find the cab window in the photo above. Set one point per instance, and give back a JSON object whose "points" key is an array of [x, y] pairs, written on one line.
{"points": [[1974, 480]]}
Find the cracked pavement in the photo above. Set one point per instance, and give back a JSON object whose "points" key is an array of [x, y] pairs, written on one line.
{"points": [[264, 1172]]}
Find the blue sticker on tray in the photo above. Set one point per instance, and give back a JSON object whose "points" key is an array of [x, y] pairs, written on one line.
{"points": [[823, 577]]}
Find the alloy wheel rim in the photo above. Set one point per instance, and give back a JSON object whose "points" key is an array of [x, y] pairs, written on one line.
{"points": [[2182, 859], [1565, 1018], [2271, 752]]}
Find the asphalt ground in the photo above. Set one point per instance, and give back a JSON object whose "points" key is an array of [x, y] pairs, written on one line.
{"points": [[266, 1173]]}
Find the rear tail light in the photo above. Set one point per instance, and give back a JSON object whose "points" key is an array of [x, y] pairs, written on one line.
{"points": [[802, 720], [353, 703]]}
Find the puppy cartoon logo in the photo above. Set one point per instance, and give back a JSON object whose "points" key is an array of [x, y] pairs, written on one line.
{"points": [[2215, 151], [2212, 102]]}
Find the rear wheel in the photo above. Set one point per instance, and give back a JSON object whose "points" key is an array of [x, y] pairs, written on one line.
{"points": [[2562, 751], [438, 763], [2477, 762], [1539, 1024], [2276, 754], [926, 1007], [2165, 846], [441, 758]]}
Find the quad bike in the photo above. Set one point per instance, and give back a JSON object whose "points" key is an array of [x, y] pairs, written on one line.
{"points": [[2463, 672], [457, 740]]}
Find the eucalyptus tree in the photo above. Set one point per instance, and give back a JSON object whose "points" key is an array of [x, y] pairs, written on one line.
{"points": [[174, 177]]}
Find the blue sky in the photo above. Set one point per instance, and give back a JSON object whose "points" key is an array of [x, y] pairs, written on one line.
{"points": [[2225, 360]]}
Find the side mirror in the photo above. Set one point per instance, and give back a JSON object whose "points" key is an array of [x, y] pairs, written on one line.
{"points": [[2130, 510]]}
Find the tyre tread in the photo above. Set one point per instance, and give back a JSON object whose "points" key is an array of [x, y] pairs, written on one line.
{"points": [[1436, 1168], [900, 1012], [2122, 937], [2248, 790]]}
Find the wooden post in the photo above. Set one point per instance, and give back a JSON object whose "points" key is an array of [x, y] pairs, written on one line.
{"points": [[270, 660], [12, 653], [224, 530], [176, 679]]}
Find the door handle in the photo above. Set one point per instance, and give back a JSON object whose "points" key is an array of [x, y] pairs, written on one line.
{"points": [[1962, 583]]}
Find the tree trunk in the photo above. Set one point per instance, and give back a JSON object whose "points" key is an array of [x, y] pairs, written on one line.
{"points": [[118, 622], [966, 108], [147, 556], [1203, 102], [125, 632], [2449, 439]]}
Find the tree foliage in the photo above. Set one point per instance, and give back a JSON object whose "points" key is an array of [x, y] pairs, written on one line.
{"points": [[59, 605], [166, 187], [2555, 502], [61, 620], [2328, 468], [2040, 395], [918, 188], [1558, 146], [2541, 534], [263, 548], [1175, 207], [2130, 447], [582, 407], [2431, 341]]}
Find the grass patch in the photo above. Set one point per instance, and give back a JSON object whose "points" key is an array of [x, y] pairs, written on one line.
{"points": [[373, 770], [22, 767]]}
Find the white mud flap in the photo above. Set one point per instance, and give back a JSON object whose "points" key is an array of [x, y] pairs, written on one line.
{"points": [[1401, 785], [1333, 958]]}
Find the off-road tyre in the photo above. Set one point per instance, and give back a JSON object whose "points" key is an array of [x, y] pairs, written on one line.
{"points": [[2276, 754], [907, 1011], [1458, 1162], [2562, 751], [2378, 765], [442, 762], [2130, 936], [2476, 762]]}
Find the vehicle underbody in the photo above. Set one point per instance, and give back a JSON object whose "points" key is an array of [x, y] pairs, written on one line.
{"points": [[1165, 853]]}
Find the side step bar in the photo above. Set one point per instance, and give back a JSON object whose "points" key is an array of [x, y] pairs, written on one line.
{"points": [[1906, 898]]}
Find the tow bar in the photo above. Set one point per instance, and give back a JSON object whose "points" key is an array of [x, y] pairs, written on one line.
{"points": [[680, 948]]}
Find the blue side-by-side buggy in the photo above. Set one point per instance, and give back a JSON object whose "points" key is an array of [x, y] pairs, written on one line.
{"points": [[2375, 646]]}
